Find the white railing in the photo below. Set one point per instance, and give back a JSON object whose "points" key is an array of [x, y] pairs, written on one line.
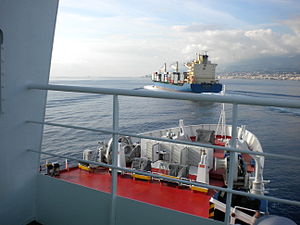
{"points": [[234, 100], [1, 75]]}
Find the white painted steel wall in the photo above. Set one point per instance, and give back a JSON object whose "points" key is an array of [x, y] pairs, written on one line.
{"points": [[28, 29], [78, 205], [63, 203], [193, 154], [205, 72]]}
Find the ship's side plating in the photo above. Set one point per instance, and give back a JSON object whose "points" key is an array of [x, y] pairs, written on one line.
{"points": [[27, 30]]}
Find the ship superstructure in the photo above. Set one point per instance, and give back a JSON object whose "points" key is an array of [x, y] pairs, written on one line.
{"points": [[200, 77], [201, 70]]}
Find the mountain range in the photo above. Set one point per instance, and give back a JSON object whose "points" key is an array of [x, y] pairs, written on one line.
{"points": [[264, 64]]}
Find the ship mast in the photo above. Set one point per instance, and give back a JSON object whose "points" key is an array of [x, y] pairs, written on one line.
{"points": [[221, 127]]}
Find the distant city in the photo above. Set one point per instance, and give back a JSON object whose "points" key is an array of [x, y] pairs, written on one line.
{"points": [[260, 75], [256, 75]]}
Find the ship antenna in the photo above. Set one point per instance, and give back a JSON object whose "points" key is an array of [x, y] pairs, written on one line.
{"points": [[196, 56]]}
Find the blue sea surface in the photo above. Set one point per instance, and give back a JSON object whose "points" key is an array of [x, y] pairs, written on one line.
{"points": [[278, 129]]}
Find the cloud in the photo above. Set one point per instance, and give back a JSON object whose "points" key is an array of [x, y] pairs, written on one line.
{"points": [[104, 39], [198, 27], [227, 46], [92, 7], [116, 56]]}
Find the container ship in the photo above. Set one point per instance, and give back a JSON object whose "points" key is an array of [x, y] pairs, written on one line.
{"points": [[200, 77]]}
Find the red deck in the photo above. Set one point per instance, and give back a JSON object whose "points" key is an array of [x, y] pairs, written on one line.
{"points": [[152, 192]]}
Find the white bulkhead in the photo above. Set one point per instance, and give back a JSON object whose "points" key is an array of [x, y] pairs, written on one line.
{"points": [[204, 72]]}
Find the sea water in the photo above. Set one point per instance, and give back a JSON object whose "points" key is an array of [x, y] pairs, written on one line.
{"points": [[278, 129]]}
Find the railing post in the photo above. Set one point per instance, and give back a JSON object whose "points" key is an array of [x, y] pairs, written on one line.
{"points": [[114, 159], [1, 72], [232, 163]]}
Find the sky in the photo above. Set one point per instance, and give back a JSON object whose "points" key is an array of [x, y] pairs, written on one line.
{"points": [[115, 38]]}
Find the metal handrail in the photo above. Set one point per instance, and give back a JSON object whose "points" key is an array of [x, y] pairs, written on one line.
{"points": [[234, 100], [1, 73], [198, 144], [241, 100], [264, 197]]}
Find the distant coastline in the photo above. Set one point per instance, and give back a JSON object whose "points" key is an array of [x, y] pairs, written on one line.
{"points": [[260, 75], [256, 75]]}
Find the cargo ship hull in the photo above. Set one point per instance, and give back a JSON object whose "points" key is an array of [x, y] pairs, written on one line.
{"points": [[196, 88]]}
